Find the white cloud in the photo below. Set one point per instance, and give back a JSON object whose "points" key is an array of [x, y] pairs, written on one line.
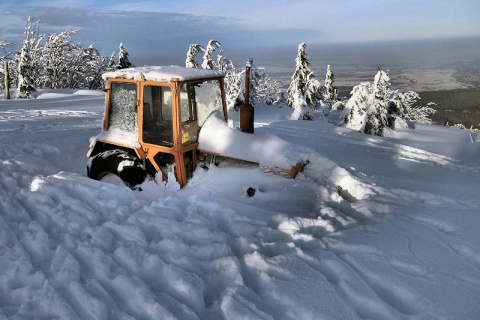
{"points": [[61, 3], [165, 26]]}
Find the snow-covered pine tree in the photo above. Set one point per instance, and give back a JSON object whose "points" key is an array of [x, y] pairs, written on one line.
{"points": [[374, 107], [300, 107], [123, 61], [354, 113], [190, 62], [304, 89], [27, 59], [90, 68], [25, 81], [330, 92], [376, 120], [207, 57], [312, 92], [112, 62]]}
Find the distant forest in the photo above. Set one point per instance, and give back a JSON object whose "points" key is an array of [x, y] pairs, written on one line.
{"points": [[454, 106]]}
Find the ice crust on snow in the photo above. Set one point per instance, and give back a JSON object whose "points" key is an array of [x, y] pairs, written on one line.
{"points": [[162, 73]]}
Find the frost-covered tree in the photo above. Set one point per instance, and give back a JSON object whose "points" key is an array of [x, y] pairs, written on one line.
{"points": [[404, 107], [3, 58], [330, 92], [190, 62], [266, 88], [366, 110], [374, 107], [57, 57], [69, 65], [90, 66], [300, 107], [123, 61], [58, 63], [304, 88], [27, 59], [261, 86], [112, 62], [3, 52], [207, 56], [234, 84], [223, 63], [3, 44], [233, 76], [312, 93], [377, 115], [459, 126], [355, 110]]}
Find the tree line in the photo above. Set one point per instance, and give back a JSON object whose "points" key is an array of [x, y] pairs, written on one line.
{"points": [[373, 108], [263, 89], [55, 62]]}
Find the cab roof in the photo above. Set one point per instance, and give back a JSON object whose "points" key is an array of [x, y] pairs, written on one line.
{"points": [[163, 73]]}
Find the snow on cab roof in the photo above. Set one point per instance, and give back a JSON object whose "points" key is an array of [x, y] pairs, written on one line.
{"points": [[162, 73]]}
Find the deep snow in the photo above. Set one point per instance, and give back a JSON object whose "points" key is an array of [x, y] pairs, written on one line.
{"points": [[377, 228]]}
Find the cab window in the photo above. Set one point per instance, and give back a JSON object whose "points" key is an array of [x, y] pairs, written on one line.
{"points": [[123, 106], [157, 115]]}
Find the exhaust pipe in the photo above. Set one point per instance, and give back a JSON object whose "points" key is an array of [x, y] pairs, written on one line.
{"points": [[246, 109]]}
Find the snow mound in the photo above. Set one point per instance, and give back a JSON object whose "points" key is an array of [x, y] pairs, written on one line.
{"points": [[263, 148], [118, 136]]}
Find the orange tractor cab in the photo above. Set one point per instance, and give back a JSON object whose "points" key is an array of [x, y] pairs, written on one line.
{"points": [[152, 122]]}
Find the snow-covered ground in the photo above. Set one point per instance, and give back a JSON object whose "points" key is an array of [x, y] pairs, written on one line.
{"points": [[374, 228]]}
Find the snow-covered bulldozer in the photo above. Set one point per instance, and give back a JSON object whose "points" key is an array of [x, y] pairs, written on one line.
{"points": [[153, 120]]}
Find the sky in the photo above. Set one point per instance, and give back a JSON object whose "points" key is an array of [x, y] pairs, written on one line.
{"points": [[168, 27]]}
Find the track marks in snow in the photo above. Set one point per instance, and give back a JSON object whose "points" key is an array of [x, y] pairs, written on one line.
{"points": [[351, 286], [467, 253], [106, 247], [172, 250], [23, 114], [353, 270]]}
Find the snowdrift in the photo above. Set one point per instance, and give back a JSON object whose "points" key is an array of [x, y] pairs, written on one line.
{"points": [[272, 153], [378, 228]]}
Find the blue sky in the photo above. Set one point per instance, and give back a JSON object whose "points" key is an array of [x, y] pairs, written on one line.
{"points": [[168, 27]]}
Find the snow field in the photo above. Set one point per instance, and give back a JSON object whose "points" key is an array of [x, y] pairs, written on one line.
{"points": [[398, 240]]}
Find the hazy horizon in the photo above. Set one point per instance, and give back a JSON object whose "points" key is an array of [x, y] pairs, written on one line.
{"points": [[418, 65]]}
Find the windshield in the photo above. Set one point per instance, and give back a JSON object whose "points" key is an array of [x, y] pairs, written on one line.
{"points": [[198, 101], [208, 98]]}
